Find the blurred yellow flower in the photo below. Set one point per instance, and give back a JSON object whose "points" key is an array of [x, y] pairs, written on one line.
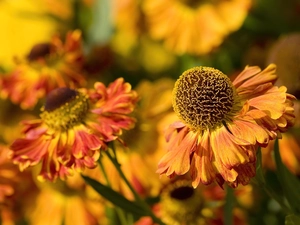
{"points": [[24, 23], [194, 27], [181, 204], [65, 203]]}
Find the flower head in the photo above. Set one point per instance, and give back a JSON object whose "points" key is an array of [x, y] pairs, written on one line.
{"points": [[222, 123], [47, 66], [74, 126]]}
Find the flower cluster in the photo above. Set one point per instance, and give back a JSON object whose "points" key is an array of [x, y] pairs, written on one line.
{"points": [[165, 112]]}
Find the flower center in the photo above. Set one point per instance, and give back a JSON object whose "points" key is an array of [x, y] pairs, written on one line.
{"points": [[64, 108], [204, 98], [182, 193], [196, 3], [39, 51]]}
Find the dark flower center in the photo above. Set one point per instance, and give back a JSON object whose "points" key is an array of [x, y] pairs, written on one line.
{"points": [[182, 193], [203, 97], [64, 108], [39, 51], [59, 97]]}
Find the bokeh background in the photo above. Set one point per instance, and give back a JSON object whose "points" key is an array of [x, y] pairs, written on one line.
{"points": [[149, 43]]}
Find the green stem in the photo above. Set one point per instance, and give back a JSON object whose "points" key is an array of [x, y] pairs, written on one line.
{"points": [[229, 204], [138, 199], [119, 211]]}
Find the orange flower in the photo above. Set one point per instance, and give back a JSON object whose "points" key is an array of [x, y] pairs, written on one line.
{"points": [[222, 123], [194, 27], [47, 66], [74, 125]]}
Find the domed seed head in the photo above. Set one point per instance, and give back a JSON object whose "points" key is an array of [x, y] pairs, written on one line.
{"points": [[203, 97]]}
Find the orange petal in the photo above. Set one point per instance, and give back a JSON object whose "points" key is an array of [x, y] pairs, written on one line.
{"points": [[226, 150], [249, 131], [177, 160], [202, 169]]}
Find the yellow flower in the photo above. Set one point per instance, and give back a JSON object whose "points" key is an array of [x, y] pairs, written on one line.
{"points": [[222, 123], [65, 203], [194, 27]]}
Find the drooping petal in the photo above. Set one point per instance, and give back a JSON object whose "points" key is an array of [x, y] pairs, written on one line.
{"points": [[202, 170], [177, 159], [225, 150], [272, 102], [249, 131]]}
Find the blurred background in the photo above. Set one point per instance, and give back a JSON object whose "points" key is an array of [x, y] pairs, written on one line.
{"points": [[149, 43]]}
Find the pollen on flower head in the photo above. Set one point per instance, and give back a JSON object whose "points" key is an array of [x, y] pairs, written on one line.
{"points": [[204, 98], [64, 108]]}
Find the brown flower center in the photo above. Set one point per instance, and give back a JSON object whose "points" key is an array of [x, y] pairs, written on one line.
{"points": [[64, 108], [204, 98], [39, 51], [182, 193], [197, 3]]}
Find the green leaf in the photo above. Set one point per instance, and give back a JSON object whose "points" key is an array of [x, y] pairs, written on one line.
{"points": [[292, 220], [289, 182], [229, 205], [116, 198]]}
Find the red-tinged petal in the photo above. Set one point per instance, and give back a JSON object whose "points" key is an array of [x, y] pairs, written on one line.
{"points": [[177, 160], [246, 172], [28, 152]]}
